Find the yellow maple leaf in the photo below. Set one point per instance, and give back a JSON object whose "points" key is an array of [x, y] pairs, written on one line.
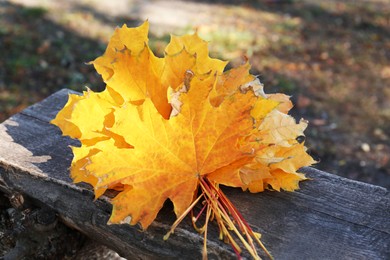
{"points": [[178, 127]]}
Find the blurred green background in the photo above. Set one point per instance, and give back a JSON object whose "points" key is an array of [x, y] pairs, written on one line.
{"points": [[332, 57]]}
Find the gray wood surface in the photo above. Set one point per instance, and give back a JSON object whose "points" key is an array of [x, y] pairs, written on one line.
{"points": [[328, 218]]}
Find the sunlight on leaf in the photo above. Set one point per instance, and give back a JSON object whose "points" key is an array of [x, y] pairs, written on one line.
{"points": [[183, 126]]}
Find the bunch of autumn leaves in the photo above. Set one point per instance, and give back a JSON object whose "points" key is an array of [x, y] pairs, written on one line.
{"points": [[162, 124]]}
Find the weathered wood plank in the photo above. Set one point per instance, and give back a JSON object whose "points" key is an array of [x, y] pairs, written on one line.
{"points": [[329, 218]]}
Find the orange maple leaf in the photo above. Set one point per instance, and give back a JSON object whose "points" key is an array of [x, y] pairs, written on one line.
{"points": [[176, 127]]}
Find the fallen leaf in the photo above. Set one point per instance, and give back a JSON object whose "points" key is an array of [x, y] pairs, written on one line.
{"points": [[179, 126]]}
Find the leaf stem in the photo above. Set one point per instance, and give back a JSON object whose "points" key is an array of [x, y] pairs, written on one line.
{"points": [[229, 220], [179, 219]]}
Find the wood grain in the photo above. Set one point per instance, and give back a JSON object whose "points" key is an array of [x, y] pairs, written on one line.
{"points": [[328, 218]]}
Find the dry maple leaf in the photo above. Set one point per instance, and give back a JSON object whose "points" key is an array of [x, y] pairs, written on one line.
{"points": [[183, 126]]}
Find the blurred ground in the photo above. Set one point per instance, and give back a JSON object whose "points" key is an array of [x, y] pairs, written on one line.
{"points": [[332, 56]]}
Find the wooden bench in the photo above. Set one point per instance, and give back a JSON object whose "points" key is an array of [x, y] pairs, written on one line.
{"points": [[328, 218]]}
